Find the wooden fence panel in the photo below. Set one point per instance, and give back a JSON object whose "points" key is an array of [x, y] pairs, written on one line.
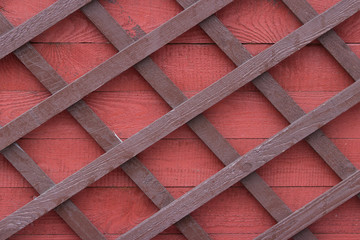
{"points": [[134, 52]]}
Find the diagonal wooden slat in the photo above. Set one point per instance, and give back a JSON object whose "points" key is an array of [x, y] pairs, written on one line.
{"points": [[194, 228], [331, 41], [200, 125], [185, 112], [351, 63], [23, 33], [276, 94], [281, 100], [41, 182], [111, 68], [314, 210], [250, 162], [101, 134], [279, 97]]}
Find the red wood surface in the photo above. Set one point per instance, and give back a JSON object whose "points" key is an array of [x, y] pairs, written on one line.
{"points": [[180, 161]]}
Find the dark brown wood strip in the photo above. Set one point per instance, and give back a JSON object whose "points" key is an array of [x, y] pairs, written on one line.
{"points": [[106, 138], [250, 162], [279, 98], [36, 25], [200, 125], [188, 110], [94, 79], [68, 211], [331, 41], [314, 210], [40, 181]]}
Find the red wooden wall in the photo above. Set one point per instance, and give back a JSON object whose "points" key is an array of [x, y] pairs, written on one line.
{"points": [[180, 161]]}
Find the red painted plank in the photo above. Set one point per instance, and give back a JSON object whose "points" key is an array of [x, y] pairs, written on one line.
{"points": [[180, 237], [314, 210], [269, 28], [179, 74], [307, 124], [179, 162], [220, 215], [204, 64], [115, 66], [247, 114], [42, 21]]}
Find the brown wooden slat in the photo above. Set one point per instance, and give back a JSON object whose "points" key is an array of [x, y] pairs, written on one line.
{"points": [[117, 64], [188, 16], [68, 211], [102, 135], [331, 41], [279, 97], [185, 112], [351, 63], [36, 25], [276, 94], [314, 210], [243, 166], [200, 125]]}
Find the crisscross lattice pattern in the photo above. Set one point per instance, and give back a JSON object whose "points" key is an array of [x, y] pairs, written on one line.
{"points": [[134, 48]]}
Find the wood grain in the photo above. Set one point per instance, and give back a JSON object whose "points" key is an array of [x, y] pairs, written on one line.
{"points": [[178, 162], [41, 182], [219, 216], [22, 34], [314, 210], [185, 16], [278, 96], [108, 70], [243, 166], [189, 109], [103, 136], [331, 41], [247, 114], [268, 28], [200, 125], [204, 65]]}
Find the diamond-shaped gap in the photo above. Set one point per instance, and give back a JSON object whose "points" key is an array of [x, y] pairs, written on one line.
{"points": [[193, 67], [122, 208], [300, 166], [345, 126], [127, 112], [72, 60], [235, 211], [181, 162], [245, 115], [19, 89], [312, 69], [251, 22]]}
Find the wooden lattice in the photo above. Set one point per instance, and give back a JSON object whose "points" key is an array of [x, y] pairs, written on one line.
{"points": [[185, 111]]}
